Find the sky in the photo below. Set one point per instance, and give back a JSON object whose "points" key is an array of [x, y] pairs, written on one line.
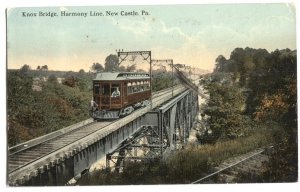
{"points": [[188, 34]]}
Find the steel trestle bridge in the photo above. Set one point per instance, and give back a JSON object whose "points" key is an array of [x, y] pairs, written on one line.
{"points": [[56, 158]]}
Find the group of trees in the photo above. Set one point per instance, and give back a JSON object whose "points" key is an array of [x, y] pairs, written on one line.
{"points": [[162, 80], [34, 113], [112, 64], [270, 79], [81, 80], [225, 111], [43, 68], [262, 86], [255, 89]]}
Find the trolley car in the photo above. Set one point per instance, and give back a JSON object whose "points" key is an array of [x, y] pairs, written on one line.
{"points": [[117, 94]]}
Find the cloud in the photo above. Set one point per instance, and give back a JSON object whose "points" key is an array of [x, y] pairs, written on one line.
{"points": [[173, 30], [148, 27], [133, 26], [169, 42]]}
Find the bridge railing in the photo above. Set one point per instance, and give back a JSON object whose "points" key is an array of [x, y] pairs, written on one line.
{"points": [[47, 137]]}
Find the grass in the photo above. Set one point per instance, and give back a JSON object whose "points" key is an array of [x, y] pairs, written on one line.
{"points": [[182, 167], [194, 162]]}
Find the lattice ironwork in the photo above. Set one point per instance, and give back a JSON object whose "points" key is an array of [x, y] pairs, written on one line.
{"points": [[145, 140], [122, 55]]}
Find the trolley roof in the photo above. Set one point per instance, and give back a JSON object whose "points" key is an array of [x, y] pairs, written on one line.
{"points": [[119, 76]]}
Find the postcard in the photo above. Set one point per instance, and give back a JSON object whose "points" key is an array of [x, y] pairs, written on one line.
{"points": [[151, 94]]}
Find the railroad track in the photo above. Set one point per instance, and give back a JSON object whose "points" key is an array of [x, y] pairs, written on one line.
{"points": [[249, 164], [22, 158], [29, 154]]}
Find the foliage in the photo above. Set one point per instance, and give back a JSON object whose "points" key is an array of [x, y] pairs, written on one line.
{"points": [[162, 80], [97, 67], [129, 68], [81, 80], [220, 63], [269, 81], [260, 71], [182, 167], [283, 164], [225, 109], [111, 63], [42, 68], [25, 69], [35, 113], [267, 84], [52, 79], [70, 81]]}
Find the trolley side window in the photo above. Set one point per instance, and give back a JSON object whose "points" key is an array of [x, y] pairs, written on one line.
{"points": [[129, 88], [147, 85]]}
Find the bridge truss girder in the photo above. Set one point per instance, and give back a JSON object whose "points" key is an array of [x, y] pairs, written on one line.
{"points": [[166, 129], [145, 141]]}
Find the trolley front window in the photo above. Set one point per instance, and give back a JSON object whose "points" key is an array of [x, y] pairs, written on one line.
{"points": [[105, 89], [115, 90], [96, 89]]}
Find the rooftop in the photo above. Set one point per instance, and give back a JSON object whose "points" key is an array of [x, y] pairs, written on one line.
{"points": [[117, 76]]}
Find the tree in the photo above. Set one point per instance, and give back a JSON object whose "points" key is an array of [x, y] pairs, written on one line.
{"points": [[52, 79], [112, 63], [225, 110], [84, 81], [122, 68], [97, 67], [81, 72], [70, 81], [141, 71], [131, 68], [24, 70], [220, 63], [44, 68]]}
